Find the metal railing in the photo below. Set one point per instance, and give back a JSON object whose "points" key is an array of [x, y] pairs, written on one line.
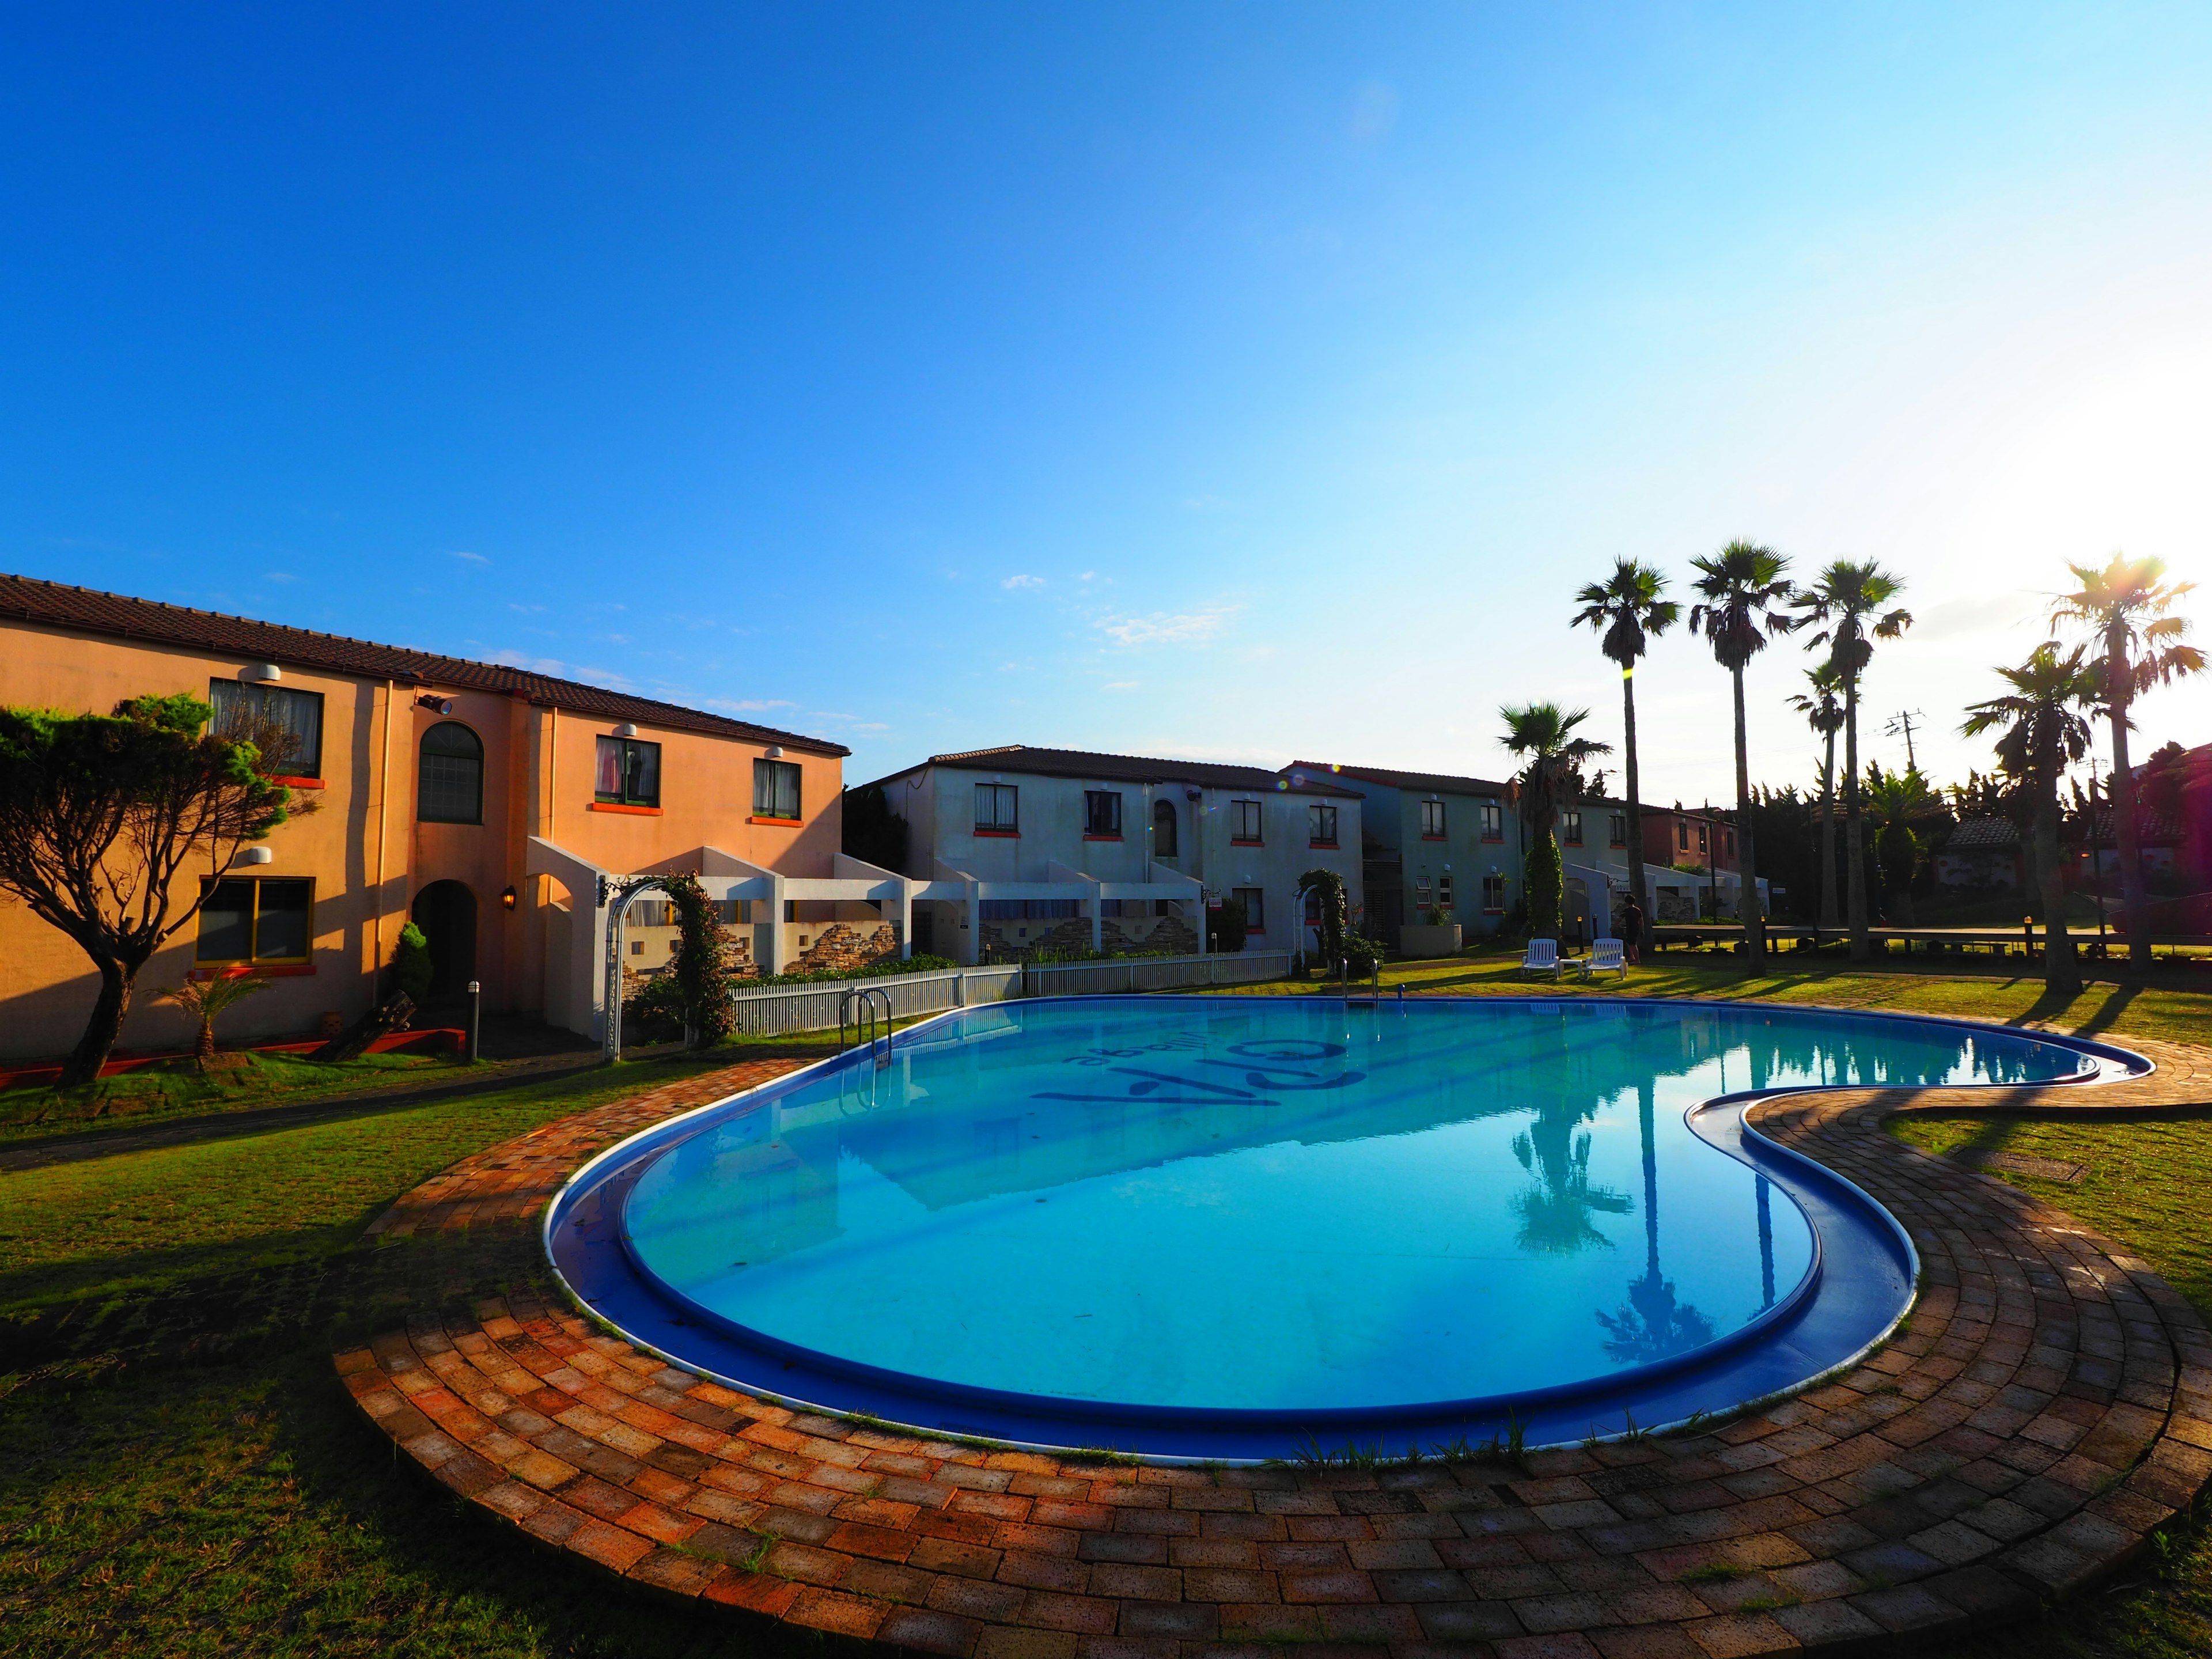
{"points": [[786, 1010], [871, 1023]]}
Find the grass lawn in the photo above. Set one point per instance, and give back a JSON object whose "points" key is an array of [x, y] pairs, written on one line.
{"points": [[181, 1475], [2180, 1011], [177, 1089]]}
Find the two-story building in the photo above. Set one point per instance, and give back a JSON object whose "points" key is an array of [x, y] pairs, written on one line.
{"points": [[484, 802], [1066, 850], [1433, 843]]}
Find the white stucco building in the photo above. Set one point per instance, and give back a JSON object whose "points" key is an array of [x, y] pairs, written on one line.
{"points": [[1066, 849]]}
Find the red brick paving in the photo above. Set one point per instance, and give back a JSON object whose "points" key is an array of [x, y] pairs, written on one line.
{"points": [[2049, 1405]]}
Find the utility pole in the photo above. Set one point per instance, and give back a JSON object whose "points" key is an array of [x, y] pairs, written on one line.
{"points": [[1900, 724]]}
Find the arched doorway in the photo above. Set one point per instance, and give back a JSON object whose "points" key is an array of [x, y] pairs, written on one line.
{"points": [[445, 911]]}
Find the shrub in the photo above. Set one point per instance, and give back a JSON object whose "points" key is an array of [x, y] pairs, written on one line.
{"points": [[1227, 927], [411, 971]]}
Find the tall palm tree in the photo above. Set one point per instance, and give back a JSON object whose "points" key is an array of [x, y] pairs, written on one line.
{"points": [[1895, 801], [2042, 733], [1824, 712], [2128, 609], [1628, 606], [1852, 602], [1551, 778], [1742, 590]]}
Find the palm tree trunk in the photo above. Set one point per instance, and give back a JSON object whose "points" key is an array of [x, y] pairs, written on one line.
{"points": [[1635, 884], [2060, 976], [2134, 919], [1746, 892], [1854, 828], [1828, 834]]}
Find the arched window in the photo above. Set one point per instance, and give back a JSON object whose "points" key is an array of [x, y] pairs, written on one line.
{"points": [[452, 786], [1163, 829]]}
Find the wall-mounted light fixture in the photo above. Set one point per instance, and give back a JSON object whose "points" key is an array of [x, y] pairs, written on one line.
{"points": [[776, 751], [435, 704], [257, 855], [627, 729], [506, 899], [254, 673]]}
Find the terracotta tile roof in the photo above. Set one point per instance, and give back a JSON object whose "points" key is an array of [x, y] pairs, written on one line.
{"points": [[1084, 763], [1983, 835], [53, 604], [1436, 783]]}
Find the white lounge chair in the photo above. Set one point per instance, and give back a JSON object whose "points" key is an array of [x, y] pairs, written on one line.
{"points": [[1606, 957], [1542, 956]]}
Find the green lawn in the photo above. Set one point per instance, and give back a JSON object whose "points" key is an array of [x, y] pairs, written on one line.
{"points": [[176, 1089], [2180, 1011], [182, 1475]]}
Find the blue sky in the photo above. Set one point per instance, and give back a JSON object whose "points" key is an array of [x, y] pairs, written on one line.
{"points": [[1231, 381]]}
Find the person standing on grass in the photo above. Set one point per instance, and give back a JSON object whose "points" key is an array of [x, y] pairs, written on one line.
{"points": [[1632, 928]]}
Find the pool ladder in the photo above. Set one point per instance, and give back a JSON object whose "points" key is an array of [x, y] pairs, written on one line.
{"points": [[1364, 996], [871, 1023]]}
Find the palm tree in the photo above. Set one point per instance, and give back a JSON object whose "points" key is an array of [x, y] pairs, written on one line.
{"points": [[1742, 592], [1551, 779], [1824, 713], [2041, 734], [1848, 602], [205, 1000], [1896, 801], [2127, 607], [1628, 606]]}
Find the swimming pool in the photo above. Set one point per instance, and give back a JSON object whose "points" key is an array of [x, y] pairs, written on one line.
{"points": [[1217, 1225]]}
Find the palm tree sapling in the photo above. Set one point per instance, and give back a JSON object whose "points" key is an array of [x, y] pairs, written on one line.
{"points": [[205, 1000], [1628, 607], [1551, 778], [1824, 713]]}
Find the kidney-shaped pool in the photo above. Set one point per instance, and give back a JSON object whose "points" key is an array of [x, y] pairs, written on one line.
{"points": [[1216, 1225]]}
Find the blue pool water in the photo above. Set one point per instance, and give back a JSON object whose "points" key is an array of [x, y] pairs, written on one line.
{"points": [[1271, 1205]]}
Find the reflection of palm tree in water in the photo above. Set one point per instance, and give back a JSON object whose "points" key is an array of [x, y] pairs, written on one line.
{"points": [[1555, 1213], [1652, 1324]]}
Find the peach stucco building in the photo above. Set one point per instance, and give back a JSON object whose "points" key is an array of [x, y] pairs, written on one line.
{"points": [[472, 797]]}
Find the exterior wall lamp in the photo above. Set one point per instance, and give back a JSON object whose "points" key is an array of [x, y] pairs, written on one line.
{"points": [[774, 751], [257, 855], [627, 729], [255, 673], [436, 705], [506, 899]]}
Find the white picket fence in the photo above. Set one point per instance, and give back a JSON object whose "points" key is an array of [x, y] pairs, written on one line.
{"points": [[783, 1010]]}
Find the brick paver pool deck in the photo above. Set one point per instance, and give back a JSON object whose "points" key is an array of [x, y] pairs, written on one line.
{"points": [[2050, 1405]]}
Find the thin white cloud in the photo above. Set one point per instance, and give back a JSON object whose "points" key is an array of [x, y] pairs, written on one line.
{"points": [[473, 558], [279, 576], [1166, 628], [1014, 583], [749, 705], [526, 609], [1120, 685]]}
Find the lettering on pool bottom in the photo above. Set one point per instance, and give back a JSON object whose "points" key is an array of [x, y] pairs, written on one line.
{"points": [[1266, 1067]]}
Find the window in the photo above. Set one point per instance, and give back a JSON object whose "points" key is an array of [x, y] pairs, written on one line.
{"points": [[1617, 828], [1682, 835], [1493, 821], [286, 725], [1432, 820], [1701, 838], [1163, 829], [1444, 895], [1493, 895], [246, 920], [776, 790], [1321, 825], [1730, 843], [1572, 827], [628, 773], [1420, 892], [998, 809], [1245, 822], [1256, 916], [1102, 814], [451, 789]]}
